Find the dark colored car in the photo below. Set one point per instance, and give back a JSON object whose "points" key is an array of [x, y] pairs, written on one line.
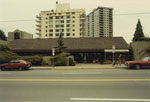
{"points": [[144, 63], [16, 64]]}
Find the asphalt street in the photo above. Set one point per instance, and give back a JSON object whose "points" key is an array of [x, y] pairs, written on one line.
{"points": [[90, 85]]}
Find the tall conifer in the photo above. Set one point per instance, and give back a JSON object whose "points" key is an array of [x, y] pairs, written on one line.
{"points": [[138, 35]]}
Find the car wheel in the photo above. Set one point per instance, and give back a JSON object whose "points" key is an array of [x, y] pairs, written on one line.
{"points": [[26, 68], [3, 68], [20, 68], [137, 66]]}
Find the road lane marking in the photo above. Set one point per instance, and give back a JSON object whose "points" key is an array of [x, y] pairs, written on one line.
{"points": [[4, 73], [76, 80], [83, 73], [109, 99]]}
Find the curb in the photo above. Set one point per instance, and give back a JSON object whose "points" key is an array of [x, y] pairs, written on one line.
{"points": [[70, 68], [81, 68], [40, 68]]}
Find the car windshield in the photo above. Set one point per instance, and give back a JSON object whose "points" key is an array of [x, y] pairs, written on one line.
{"points": [[14, 61], [23, 61], [145, 59]]}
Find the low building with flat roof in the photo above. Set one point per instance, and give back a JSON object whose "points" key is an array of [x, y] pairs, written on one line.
{"points": [[81, 48]]}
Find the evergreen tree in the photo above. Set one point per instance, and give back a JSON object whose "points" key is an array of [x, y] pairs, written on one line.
{"points": [[4, 48], [138, 35], [60, 45], [2, 35]]}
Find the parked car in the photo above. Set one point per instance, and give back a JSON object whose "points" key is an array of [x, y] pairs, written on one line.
{"points": [[144, 63], [16, 64]]}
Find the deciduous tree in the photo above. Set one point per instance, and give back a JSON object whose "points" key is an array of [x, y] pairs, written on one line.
{"points": [[2, 35]]}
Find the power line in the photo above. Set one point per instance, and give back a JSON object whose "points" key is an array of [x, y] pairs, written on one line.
{"points": [[19, 20], [132, 14], [25, 20]]}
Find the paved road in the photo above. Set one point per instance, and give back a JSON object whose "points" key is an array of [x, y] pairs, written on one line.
{"points": [[109, 85]]}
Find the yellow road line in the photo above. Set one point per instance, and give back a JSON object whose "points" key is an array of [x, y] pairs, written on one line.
{"points": [[76, 80]]}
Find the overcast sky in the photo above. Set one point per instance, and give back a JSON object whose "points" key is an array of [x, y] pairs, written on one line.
{"points": [[21, 14]]}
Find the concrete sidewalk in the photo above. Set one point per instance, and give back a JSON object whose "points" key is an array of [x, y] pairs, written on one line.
{"points": [[78, 66]]}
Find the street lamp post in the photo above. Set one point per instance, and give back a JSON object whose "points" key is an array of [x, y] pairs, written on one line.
{"points": [[53, 51], [53, 54], [113, 52]]}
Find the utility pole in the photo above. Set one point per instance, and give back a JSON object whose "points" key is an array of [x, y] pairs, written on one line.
{"points": [[53, 54], [113, 52]]}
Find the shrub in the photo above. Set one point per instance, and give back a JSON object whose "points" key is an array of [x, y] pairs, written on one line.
{"points": [[4, 47], [35, 60], [144, 39], [44, 63], [62, 61], [6, 56], [72, 62]]}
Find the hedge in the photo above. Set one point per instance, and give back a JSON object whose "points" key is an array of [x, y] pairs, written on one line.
{"points": [[35, 60], [6, 56], [63, 59]]}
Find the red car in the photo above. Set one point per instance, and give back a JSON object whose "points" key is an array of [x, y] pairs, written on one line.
{"points": [[144, 63], [16, 64]]}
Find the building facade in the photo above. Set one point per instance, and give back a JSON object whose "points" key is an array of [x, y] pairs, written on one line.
{"points": [[69, 22], [18, 34], [99, 23], [98, 49]]}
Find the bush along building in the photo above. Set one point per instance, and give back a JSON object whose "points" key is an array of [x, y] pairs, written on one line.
{"points": [[84, 50]]}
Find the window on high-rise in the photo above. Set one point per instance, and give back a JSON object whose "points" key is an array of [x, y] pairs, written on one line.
{"points": [[68, 16], [57, 34], [68, 34], [51, 30], [62, 17], [73, 12], [50, 17], [68, 21], [62, 21], [51, 26], [62, 25], [68, 25], [67, 12], [50, 34], [56, 26], [57, 17], [57, 30]]}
